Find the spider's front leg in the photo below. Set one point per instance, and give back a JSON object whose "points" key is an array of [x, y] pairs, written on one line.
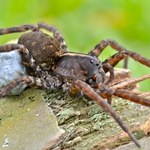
{"points": [[120, 90], [106, 92], [122, 53], [114, 60], [88, 91]]}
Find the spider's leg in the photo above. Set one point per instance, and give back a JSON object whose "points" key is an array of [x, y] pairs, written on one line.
{"points": [[115, 59], [128, 95], [27, 59], [120, 90], [127, 83], [104, 43], [21, 28], [30, 81], [108, 68], [144, 94], [88, 91], [57, 35]]}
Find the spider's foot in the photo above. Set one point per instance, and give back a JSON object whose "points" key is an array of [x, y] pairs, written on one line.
{"points": [[3, 92]]}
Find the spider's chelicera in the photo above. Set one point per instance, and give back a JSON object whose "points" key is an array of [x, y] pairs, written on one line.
{"points": [[50, 66]]}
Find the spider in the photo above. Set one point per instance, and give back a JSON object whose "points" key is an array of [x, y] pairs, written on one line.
{"points": [[50, 66]]}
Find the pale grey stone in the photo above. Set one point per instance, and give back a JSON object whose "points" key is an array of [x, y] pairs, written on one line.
{"points": [[10, 69]]}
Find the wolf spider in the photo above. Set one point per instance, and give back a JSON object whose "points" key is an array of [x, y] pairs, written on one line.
{"points": [[50, 66]]}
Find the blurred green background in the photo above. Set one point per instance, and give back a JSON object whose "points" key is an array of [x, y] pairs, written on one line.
{"points": [[85, 22]]}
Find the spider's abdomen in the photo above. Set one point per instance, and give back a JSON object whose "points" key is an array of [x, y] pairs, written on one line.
{"points": [[44, 49]]}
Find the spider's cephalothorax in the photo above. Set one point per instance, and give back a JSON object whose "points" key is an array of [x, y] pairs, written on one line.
{"points": [[50, 66], [72, 66]]}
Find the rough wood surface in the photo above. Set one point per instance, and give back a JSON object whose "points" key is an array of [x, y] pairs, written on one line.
{"points": [[89, 128], [86, 126]]}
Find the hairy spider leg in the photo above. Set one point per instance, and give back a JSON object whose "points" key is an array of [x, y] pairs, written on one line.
{"points": [[128, 82], [21, 28], [36, 27], [27, 59], [120, 90], [128, 95], [88, 91], [114, 60], [28, 80], [50, 83], [104, 43]]}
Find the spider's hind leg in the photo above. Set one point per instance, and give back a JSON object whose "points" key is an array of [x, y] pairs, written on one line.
{"points": [[28, 80], [21, 28], [50, 83]]}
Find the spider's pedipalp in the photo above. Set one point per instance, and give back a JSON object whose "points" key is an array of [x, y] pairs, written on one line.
{"points": [[10, 47], [88, 91]]}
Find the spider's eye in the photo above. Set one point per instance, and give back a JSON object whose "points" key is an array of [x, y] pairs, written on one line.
{"points": [[91, 61], [97, 64]]}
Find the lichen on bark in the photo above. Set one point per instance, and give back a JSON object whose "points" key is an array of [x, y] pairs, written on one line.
{"points": [[89, 127]]}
